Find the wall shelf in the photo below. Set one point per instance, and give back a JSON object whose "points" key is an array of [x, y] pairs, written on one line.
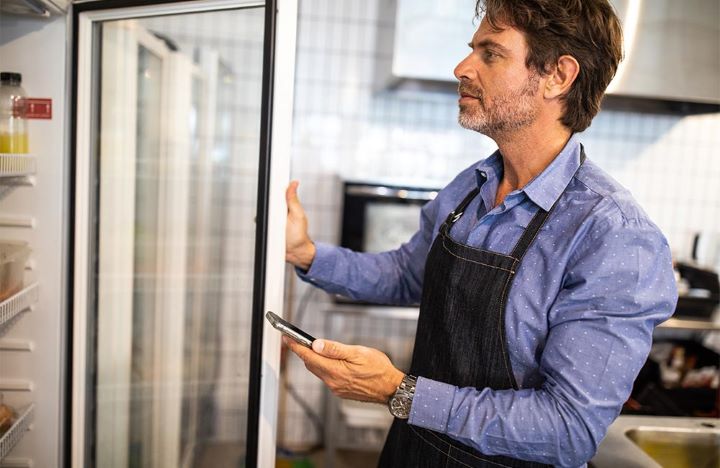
{"points": [[16, 431], [16, 165], [17, 303]]}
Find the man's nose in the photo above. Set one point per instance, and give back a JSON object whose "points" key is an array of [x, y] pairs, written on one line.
{"points": [[462, 70]]}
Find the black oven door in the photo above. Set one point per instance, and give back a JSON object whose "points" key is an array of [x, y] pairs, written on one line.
{"points": [[380, 217]]}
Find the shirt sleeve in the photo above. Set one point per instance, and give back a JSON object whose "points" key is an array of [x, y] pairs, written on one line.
{"points": [[393, 277], [617, 287]]}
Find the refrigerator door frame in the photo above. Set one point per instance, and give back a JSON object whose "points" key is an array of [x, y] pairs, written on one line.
{"points": [[274, 172]]}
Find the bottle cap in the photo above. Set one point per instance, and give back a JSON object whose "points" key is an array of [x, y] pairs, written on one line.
{"points": [[11, 77]]}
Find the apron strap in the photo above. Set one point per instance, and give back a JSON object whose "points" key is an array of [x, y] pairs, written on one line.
{"points": [[538, 220], [458, 212], [532, 229]]}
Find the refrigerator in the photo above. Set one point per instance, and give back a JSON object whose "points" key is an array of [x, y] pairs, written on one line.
{"points": [[153, 204]]}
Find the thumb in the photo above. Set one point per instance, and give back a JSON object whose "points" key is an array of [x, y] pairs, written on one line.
{"points": [[291, 196], [332, 349]]}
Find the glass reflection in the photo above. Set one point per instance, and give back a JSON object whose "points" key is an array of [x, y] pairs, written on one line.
{"points": [[145, 255], [178, 162]]}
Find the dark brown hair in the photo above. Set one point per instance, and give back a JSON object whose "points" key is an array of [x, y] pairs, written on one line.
{"points": [[588, 30]]}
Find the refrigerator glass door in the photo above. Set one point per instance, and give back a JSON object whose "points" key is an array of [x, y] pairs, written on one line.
{"points": [[171, 276]]}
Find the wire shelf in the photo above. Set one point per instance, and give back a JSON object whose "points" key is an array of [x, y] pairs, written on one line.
{"points": [[16, 432], [17, 165], [17, 303]]}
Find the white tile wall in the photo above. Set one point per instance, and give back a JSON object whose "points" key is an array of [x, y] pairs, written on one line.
{"points": [[344, 129]]}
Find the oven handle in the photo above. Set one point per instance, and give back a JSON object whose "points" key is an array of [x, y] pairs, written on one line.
{"points": [[387, 192]]}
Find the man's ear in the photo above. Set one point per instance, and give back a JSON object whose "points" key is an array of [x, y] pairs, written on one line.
{"points": [[561, 77]]}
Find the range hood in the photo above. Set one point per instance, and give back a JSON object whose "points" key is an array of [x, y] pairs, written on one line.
{"points": [[672, 50]]}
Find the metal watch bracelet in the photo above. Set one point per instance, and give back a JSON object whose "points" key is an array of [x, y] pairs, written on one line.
{"points": [[401, 402]]}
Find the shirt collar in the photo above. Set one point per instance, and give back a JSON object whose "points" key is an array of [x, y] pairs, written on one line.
{"points": [[489, 168], [545, 188]]}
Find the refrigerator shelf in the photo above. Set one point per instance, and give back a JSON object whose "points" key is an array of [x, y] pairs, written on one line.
{"points": [[17, 303], [16, 165], [16, 432]]}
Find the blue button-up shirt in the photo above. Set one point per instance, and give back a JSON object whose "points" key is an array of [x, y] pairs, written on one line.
{"points": [[579, 316]]}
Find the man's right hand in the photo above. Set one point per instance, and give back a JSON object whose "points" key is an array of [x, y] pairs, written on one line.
{"points": [[299, 248]]}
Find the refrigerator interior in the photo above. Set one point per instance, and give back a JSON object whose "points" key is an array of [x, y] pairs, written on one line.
{"points": [[33, 209]]}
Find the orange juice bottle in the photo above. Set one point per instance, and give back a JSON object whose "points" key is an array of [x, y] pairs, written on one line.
{"points": [[13, 121]]}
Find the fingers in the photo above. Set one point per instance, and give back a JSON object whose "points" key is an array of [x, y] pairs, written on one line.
{"points": [[347, 371], [321, 350], [325, 348], [333, 349], [302, 352], [315, 363]]}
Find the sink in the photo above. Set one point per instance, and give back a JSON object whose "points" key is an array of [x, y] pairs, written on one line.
{"points": [[679, 447], [660, 442]]}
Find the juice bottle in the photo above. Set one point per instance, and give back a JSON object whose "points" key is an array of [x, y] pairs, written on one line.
{"points": [[13, 123]]}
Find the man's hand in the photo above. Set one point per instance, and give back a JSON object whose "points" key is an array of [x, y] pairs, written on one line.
{"points": [[299, 248], [351, 372]]}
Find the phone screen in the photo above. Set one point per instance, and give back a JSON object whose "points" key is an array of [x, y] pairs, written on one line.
{"points": [[287, 328]]}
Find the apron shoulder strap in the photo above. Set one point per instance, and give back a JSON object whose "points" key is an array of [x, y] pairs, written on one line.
{"points": [[458, 212], [538, 221]]}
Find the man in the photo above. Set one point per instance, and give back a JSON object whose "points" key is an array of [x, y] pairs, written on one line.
{"points": [[540, 278]]}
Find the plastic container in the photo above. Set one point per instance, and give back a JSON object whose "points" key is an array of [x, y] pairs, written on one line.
{"points": [[13, 256], [13, 121]]}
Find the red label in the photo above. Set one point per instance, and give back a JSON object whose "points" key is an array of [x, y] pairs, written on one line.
{"points": [[38, 108]]}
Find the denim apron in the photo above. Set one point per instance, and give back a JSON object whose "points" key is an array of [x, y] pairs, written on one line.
{"points": [[461, 339]]}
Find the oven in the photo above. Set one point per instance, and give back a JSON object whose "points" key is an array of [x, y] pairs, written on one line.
{"points": [[377, 217]]}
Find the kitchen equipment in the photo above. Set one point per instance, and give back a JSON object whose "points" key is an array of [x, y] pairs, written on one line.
{"points": [[662, 389], [679, 448], [703, 293], [171, 241], [378, 216], [429, 38], [706, 249], [635, 441], [13, 255]]}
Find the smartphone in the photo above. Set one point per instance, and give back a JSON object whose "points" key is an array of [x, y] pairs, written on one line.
{"points": [[287, 328]]}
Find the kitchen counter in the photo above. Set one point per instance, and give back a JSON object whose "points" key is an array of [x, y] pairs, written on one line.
{"points": [[710, 323], [618, 450]]}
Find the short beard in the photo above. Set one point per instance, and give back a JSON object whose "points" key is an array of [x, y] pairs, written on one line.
{"points": [[509, 112]]}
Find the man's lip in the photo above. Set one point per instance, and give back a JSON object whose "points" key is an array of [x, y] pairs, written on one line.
{"points": [[465, 95]]}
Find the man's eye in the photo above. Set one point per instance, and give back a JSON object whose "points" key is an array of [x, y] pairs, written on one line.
{"points": [[488, 55]]}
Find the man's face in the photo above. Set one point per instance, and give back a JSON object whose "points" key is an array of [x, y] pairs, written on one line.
{"points": [[498, 94]]}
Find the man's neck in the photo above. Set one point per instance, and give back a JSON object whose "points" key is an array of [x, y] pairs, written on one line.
{"points": [[526, 153]]}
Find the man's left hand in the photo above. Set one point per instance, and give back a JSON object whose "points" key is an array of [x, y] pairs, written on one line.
{"points": [[351, 372]]}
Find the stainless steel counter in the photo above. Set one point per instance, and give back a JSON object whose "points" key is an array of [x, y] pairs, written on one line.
{"points": [[619, 451]]}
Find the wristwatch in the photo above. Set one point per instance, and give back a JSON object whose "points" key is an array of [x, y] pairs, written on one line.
{"points": [[401, 402]]}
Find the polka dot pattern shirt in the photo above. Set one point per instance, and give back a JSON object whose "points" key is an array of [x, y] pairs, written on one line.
{"points": [[579, 316]]}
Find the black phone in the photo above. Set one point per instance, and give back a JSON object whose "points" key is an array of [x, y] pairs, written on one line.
{"points": [[287, 328]]}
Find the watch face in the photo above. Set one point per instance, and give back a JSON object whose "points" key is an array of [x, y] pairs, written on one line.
{"points": [[400, 406]]}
